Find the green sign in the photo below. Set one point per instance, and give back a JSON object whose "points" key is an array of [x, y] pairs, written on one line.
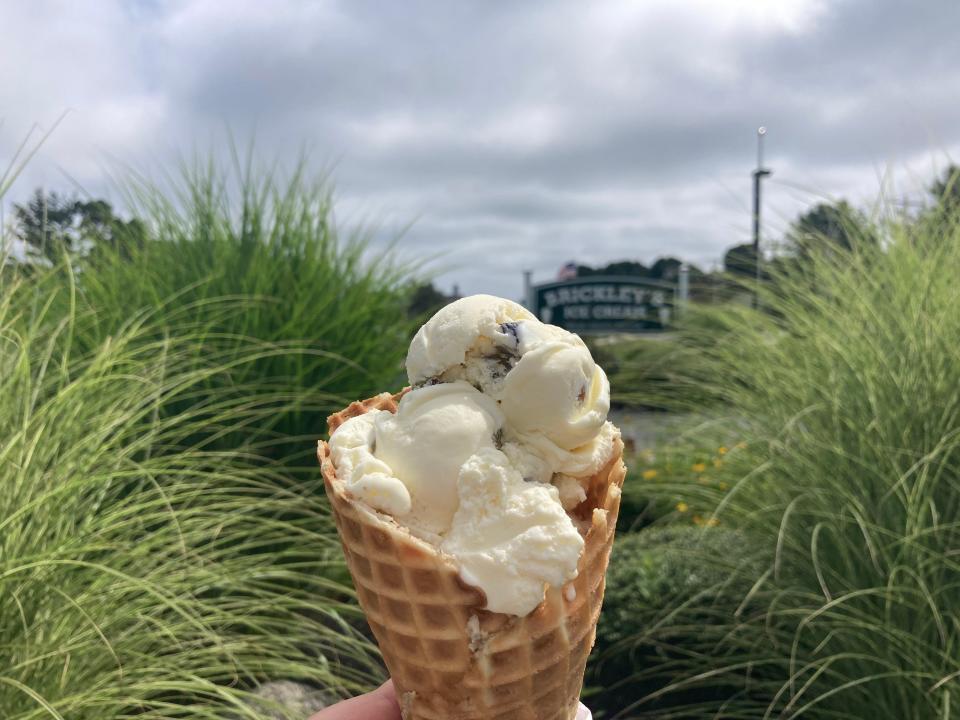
{"points": [[605, 304]]}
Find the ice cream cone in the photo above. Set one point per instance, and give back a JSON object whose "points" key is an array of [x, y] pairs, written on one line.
{"points": [[449, 658]]}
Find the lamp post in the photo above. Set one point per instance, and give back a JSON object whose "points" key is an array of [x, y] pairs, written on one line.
{"points": [[758, 175]]}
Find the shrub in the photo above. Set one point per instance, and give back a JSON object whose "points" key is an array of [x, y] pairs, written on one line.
{"points": [[142, 574], [652, 572]]}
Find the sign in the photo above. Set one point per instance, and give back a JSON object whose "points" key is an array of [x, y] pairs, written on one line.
{"points": [[604, 304]]}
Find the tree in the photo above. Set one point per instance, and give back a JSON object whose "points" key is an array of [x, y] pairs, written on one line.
{"points": [[51, 225], [741, 260], [630, 268], [827, 226], [425, 300], [946, 189], [101, 228], [47, 224], [626, 267], [585, 271], [666, 269]]}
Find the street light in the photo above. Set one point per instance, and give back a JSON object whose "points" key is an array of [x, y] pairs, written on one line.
{"points": [[758, 174]]}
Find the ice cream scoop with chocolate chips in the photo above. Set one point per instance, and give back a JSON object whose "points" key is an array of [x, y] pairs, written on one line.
{"points": [[544, 377], [473, 339], [490, 449]]}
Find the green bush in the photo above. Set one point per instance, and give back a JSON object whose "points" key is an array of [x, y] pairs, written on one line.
{"points": [[142, 574], [652, 573], [848, 490], [251, 259]]}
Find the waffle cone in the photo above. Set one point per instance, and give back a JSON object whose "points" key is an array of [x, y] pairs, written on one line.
{"points": [[449, 658]]}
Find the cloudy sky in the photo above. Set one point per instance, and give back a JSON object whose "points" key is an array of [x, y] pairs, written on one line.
{"points": [[504, 135]]}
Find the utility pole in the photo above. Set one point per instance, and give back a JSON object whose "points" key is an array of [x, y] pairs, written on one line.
{"points": [[758, 175], [683, 288], [528, 290]]}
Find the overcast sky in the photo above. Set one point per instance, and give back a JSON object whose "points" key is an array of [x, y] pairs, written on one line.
{"points": [[512, 135]]}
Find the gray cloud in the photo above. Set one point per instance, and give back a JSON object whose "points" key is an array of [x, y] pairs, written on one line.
{"points": [[515, 135]]}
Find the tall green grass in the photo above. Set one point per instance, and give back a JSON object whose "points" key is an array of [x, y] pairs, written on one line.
{"points": [[242, 255], [843, 600], [144, 573], [661, 372]]}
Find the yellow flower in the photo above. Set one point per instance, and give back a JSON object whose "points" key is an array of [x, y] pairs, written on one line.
{"points": [[649, 474], [723, 486], [682, 507], [697, 520], [712, 522], [699, 467], [717, 462], [722, 450]]}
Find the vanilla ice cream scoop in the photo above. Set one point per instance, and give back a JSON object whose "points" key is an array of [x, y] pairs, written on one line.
{"points": [[543, 376], [366, 477], [511, 537], [470, 339], [436, 429], [555, 388], [408, 464]]}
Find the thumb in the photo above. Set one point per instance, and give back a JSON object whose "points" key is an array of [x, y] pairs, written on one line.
{"points": [[381, 704]]}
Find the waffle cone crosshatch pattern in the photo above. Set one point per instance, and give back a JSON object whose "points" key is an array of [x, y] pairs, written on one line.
{"points": [[449, 658]]}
